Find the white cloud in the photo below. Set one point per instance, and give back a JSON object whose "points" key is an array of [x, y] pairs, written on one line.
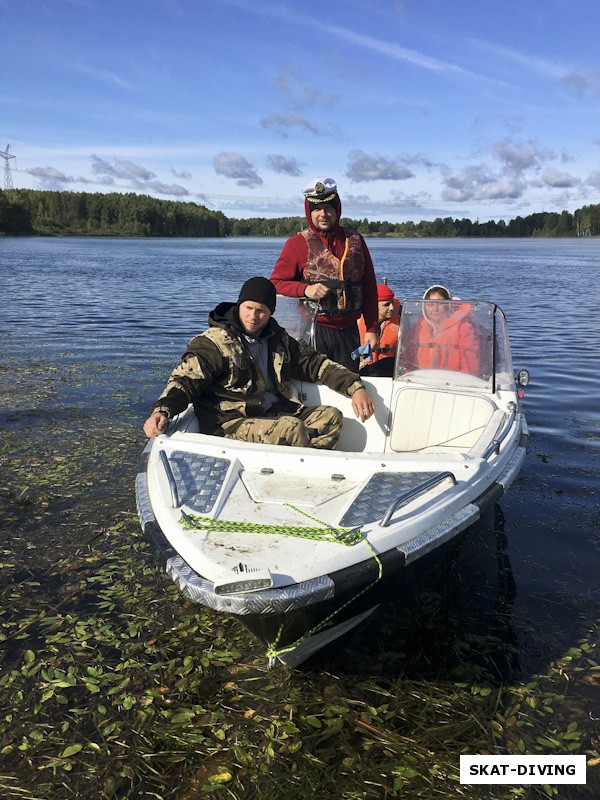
{"points": [[284, 166], [364, 167], [578, 79], [135, 175], [234, 165], [52, 178], [102, 76], [477, 183], [280, 123], [593, 179], [301, 95], [519, 157], [559, 180]]}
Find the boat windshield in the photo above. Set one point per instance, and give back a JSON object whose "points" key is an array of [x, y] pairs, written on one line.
{"points": [[297, 316], [454, 342]]}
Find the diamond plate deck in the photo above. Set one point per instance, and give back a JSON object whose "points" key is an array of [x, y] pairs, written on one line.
{"points": [[382, 489], [268, 601], [199, 478]]}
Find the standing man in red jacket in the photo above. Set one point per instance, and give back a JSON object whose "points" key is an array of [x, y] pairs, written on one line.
{"points": [[332, 266]]}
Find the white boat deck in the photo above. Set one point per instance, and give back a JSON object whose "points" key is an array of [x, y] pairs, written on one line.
{"points": [[352, 486]]}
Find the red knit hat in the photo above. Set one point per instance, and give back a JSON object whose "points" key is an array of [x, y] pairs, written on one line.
{"points": [[384, 293]]}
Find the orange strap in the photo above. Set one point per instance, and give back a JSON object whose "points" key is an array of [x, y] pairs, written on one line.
{"points": [[343, 295]]}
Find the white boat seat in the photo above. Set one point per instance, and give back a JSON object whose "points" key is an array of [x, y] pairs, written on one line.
{"points": [[439, 420]]}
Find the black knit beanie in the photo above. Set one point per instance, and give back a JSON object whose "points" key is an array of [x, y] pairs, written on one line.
{"points": [[259, 290]]}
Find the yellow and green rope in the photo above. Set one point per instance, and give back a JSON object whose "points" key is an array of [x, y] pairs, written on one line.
{"points": [[327, 533]]}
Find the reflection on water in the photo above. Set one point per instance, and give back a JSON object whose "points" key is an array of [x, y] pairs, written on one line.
{"points": [[449, 617]]}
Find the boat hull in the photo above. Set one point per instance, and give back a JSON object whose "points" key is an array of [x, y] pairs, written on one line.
{"points": [[294, 541], [297, 621]]}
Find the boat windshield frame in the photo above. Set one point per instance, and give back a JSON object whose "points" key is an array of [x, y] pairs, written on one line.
{"points": [[455, 343]]}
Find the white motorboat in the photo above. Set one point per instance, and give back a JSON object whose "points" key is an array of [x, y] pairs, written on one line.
{"points": [[292, 540]]}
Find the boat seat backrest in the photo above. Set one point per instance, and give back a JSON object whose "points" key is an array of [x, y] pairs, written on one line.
{"points": [[356, 436], [426, 418]]}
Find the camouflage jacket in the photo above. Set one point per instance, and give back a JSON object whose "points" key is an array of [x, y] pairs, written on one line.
{"points": [[219, 376]]}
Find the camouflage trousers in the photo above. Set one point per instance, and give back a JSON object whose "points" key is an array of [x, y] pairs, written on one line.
{"points": [[313, 426]]}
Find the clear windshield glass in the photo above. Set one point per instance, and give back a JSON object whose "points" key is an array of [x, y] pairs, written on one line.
{"points": [[297, 316], [454, 342]]}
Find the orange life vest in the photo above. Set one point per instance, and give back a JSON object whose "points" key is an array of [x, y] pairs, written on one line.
{"points": [[388, 337], [452, 346]]}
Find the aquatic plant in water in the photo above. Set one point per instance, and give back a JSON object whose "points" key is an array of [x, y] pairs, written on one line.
{"points": [[113, 685]]}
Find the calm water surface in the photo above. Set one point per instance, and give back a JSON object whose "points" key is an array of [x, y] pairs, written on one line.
{"points": [[131, 306]]}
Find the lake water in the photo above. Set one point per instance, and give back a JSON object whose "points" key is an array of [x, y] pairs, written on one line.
{"points": [[130, 306], [90, 329]]}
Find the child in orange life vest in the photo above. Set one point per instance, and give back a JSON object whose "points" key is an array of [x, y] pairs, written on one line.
{"points": [[444, 336], [389, 325]]}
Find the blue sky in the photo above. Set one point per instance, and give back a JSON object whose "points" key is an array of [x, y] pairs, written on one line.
{"points": [[417, 108]]}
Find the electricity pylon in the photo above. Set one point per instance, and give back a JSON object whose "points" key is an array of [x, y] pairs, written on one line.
{"points": [[8, 184]]}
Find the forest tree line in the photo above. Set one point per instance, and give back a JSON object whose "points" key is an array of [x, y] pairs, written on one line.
{"points": [[47, 213], [33, 212]]}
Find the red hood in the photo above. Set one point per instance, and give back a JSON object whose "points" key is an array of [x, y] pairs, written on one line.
{"points": [[336, 230]]}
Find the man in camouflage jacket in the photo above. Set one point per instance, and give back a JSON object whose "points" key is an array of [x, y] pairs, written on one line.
{"points": [[237, 375]]}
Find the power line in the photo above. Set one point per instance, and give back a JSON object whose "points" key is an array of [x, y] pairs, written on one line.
{"points": [[8, 183]]}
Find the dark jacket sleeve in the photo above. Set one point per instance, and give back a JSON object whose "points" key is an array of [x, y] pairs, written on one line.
{"points": [[201, 364]]}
